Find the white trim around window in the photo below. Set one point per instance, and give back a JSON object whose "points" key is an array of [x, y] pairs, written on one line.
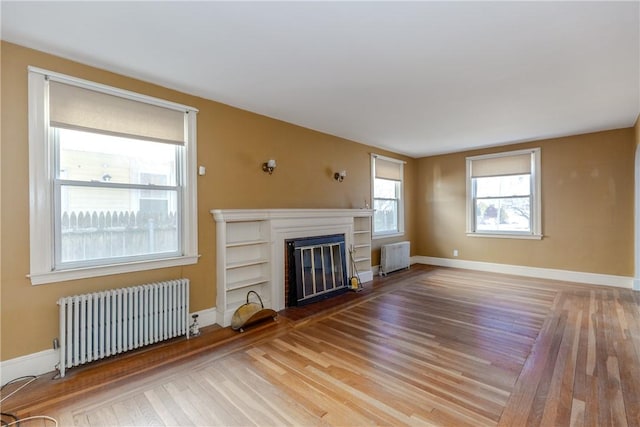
{"points": [[42, 192], [392, 171], [505, 164]]}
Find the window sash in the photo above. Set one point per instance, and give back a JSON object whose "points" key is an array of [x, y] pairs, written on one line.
{"points": [[396, 184], [486, 185], [505, 228], [62, 264], [378, 213], [118, 244]]}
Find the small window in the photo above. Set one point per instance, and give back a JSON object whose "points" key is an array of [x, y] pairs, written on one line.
{"points": [[503, 194], [388, 206], [112, 180]]}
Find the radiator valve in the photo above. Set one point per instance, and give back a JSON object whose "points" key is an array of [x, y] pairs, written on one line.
{"points": [[194, 329]]}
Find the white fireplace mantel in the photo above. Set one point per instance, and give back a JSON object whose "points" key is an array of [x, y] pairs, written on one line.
{"points": [[250, 247]]}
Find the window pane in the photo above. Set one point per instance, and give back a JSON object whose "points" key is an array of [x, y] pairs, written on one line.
{"points": [[385, 215], [385, 188], [99, 223], [86, 156], [503, 186], [506, 214]]}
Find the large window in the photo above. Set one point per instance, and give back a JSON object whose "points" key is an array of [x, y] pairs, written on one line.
{"points": [[112, 180], [504, 194], [388, 206]]}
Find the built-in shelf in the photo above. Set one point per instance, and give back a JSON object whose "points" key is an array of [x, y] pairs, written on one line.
{"points": [[362, 245], [243, 251], [246, 283], [246, 243], [239, 264]]}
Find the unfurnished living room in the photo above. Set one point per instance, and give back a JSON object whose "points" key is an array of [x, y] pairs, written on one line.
{"points": [[328, 213]]}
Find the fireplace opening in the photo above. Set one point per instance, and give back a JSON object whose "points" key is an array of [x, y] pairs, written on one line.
{"points": [[316, 268]]}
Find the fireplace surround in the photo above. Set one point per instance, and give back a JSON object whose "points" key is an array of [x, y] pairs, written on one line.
{"points": [[250, 250]]}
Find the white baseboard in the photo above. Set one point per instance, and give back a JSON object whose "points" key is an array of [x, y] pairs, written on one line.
{"points": [[520, 270], [46, 361], [366, 276], [31, 364], [375, 270], [206, 317], [636, 284]]}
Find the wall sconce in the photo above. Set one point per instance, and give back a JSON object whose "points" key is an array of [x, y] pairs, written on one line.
{"points": [[269, 166], [339, 176]]}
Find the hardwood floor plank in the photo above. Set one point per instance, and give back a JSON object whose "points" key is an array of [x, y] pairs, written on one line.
{"points": [[543, 411], [159, 404], [577, 413], [520, 404], [603, 351]]}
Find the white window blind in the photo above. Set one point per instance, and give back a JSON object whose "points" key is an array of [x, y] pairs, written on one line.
{"points": [[388, 169], [74, 107], [501, 166]]}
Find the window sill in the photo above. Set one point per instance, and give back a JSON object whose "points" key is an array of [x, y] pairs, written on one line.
{"points": [[105, 270], [507, 236], [385, 236]]}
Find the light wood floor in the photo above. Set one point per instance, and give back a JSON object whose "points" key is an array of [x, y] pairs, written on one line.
{"points": [[430, 346]]}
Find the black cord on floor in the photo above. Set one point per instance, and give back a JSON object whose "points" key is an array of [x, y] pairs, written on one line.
{"points": [[15, 380]]}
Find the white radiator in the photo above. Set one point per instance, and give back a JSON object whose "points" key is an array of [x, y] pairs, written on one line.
{"points": [[102, 324], [394, 256]]}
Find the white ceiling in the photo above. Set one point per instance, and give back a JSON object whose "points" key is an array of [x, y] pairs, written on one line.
{"points": [[418, 78]]}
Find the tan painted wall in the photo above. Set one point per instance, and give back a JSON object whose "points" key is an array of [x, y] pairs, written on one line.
{"points": [[587, 207], [232, 144]]}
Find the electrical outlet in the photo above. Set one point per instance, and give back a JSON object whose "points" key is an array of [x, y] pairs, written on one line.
{"points": [[56, 344], [455, 252]]}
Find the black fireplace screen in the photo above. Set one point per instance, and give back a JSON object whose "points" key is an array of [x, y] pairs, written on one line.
{"points": [[317, 268]]}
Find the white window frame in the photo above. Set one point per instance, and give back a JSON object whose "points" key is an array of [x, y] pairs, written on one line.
{"points": [[400, 220], [536, 203], [41, 186]]}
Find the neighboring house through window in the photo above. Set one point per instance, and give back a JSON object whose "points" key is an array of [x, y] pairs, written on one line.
{"points": [[388, 205], [503, 194], [112, 180]]}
